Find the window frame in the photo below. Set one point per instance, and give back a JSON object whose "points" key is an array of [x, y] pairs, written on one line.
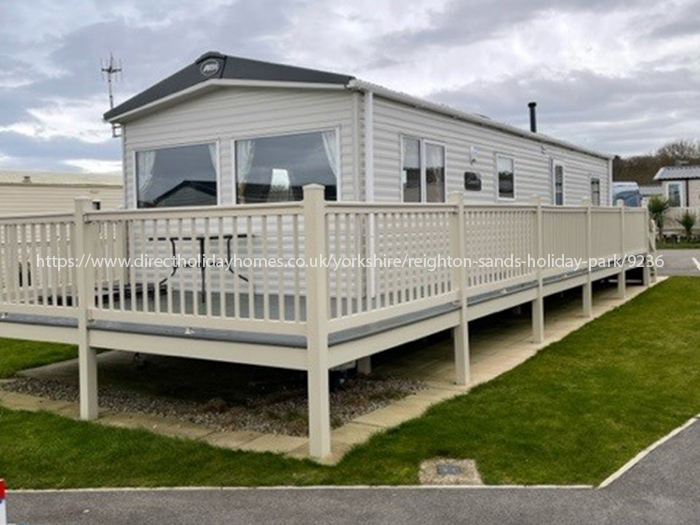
{"points": [[681, 196], [217, 167], [338, 154], [600, 190], [511, 158], [556, 163], [422, 142]]}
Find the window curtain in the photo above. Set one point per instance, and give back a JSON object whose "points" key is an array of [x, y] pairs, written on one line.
{"points": [[213, 156], [145, 162], [245, 152], [330, 144], [435, 173]]}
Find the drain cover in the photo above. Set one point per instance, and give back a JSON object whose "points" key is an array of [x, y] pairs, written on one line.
{"points": [[449, 469]]}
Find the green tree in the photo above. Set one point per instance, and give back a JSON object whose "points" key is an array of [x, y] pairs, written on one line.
{"points": [[687, 222], [657, 209], [642, 168]]}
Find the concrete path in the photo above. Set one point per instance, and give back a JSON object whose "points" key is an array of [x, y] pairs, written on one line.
{"points": [[661, 489], [680, 262]]}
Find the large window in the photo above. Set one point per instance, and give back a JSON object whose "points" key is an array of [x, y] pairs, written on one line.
{"points": [[674, 194], [275, 169], [423, 171], [558, 184], [179, 176], [505, 167], [595, 191]]}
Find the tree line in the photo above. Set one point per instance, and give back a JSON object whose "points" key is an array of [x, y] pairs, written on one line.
{"points": [[642, 168]]}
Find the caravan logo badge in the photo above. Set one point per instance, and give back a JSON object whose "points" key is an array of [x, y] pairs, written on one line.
{"points": [[210, 67]]}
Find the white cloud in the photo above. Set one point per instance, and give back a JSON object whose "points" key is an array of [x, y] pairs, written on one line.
{"points": [[66, 118], [483, 55]]}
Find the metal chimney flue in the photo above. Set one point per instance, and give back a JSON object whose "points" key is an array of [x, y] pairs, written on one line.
{"points": [[533, 116]]}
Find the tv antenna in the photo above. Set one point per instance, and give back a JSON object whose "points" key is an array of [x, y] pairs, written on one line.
{"points": [[112, 71]]}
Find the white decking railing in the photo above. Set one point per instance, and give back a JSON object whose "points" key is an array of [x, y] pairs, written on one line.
{"points": [[26, 288], [273, 299], [311, 316]]}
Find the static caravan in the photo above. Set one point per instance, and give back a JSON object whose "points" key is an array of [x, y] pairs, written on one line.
{"points": [[680, 185], [241, 157], [258, 132], [23, 191]]}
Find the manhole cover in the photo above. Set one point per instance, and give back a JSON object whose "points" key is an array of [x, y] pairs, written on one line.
{"points": [[448, 469], [444, 471]]}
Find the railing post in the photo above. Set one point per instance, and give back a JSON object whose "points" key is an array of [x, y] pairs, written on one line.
{"points": [[647, 273], [538, 302], [87, 357], [459, 279], [588, 287], [317, 322], [622, 276]]}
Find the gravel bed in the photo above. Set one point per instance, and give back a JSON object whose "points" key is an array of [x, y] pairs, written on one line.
{"points": [[279, 412]]}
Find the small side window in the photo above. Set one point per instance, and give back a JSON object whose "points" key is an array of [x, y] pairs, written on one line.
{"points": [[673, 194], [595, 191], [472, 181], [558, 184], [506, 177]]}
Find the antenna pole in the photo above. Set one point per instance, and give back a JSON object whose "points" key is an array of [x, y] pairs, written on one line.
{"points": [[111, 69]]}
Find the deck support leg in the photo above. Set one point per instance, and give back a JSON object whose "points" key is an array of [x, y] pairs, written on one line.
{"points": [[460, 334], [87, 365], [538, 302], [85, 239], [364, 366], [622, 284], [317, 364], [538, 319], [588, 299], [622, 276], [319, 411]]}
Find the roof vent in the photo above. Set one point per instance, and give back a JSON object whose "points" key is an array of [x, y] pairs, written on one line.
{"points": [[210, 54]]}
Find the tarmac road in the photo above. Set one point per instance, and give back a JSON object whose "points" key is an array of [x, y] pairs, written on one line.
{"points": [[680, 262]]}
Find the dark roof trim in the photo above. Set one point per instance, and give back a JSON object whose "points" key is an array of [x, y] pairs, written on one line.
{"points": [[678, 172], [214, 65]]}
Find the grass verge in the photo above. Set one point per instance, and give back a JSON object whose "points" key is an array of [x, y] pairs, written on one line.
{"points": [[16, 355], [574, 413], [680, 245]]}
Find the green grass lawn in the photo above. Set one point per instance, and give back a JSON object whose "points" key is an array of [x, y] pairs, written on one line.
{"points": [[574, 413], [681, 245], [17, 355]]}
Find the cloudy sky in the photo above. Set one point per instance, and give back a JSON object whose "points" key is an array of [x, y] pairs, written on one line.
{"points": [[618, 76]]}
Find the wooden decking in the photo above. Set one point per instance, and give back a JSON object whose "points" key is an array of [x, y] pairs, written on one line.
{"points": [[306, 316]]}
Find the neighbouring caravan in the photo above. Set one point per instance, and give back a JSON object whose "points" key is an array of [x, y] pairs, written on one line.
{"points": [[232, 130], [24, 191], [680, 185]]}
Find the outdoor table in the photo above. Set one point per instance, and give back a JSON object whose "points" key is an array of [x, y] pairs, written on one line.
{"points": [[201, 239]]}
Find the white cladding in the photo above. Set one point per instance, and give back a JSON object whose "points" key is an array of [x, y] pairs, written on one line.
{"points": [[245, 112], [239, 113], [470, 147]]}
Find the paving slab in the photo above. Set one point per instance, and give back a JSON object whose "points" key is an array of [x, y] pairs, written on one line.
{"points": [[274, 443], [231, 440]]}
